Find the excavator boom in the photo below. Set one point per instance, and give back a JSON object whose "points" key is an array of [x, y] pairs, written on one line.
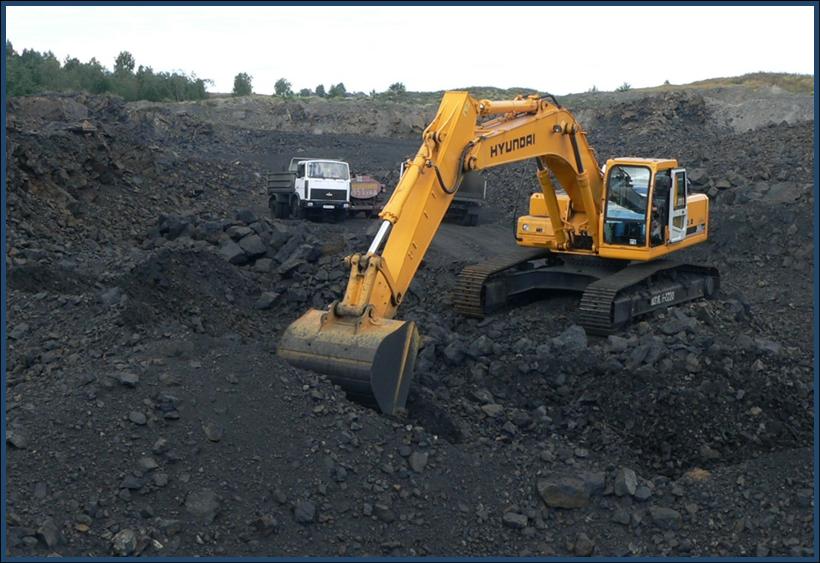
{"points": [[355, 341]]}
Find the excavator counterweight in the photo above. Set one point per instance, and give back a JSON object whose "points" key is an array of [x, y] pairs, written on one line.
{"points": [[637, 213]]}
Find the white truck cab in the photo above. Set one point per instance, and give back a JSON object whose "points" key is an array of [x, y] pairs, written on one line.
{"points": [[310, 185], [323, 183]]}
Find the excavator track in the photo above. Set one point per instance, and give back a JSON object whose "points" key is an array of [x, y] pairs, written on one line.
{"points": [[613, 293], [611, 302], [468, 293]]}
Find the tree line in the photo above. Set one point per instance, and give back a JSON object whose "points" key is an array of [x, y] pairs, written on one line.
{"points": [[243, 86], [32, 72]]}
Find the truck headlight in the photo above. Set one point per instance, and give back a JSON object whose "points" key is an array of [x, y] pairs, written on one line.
{"points": [[310, 204], [346, 205], [525, 227]]}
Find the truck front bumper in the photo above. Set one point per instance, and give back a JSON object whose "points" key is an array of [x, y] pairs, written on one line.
{"points": [[336, 205]]}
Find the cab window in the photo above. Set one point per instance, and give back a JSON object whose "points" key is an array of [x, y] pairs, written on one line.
{"points": [[626, 206], [680, 191], [328, 170]]}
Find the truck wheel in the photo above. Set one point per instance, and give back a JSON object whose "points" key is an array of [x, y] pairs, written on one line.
{"points": [[296, 210], [279, 209], [473, 219]]}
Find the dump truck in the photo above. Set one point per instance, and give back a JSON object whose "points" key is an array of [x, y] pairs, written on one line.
{"points": [[310, 187], [366, 195], [471, 194], [464, 209]]}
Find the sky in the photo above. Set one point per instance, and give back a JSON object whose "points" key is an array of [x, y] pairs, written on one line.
{"points": [[549, 48]]}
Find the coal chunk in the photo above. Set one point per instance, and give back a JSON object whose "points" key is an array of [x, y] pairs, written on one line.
{"points": [[563, 492], [203, 504]]}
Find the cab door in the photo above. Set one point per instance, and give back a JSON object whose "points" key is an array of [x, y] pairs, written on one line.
{"points": [[300, 185], [677, 206]]}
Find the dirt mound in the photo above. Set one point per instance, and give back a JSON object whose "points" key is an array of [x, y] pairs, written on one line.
{"points": [[678, 111], [681, 416], [39, 277], [75, 181], [196, 289]]}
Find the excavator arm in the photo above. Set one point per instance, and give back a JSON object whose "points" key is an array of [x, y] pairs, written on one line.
{"points": [[356, 341]]}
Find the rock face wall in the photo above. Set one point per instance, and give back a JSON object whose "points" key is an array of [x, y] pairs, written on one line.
{"points": [[737, 108], [317, 117], [147, 413]]}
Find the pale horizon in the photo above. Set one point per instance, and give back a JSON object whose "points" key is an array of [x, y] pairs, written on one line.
{"points": [[430, 48]]}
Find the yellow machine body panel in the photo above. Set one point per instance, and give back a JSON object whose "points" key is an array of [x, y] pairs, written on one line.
{"points": [[536, 230]]}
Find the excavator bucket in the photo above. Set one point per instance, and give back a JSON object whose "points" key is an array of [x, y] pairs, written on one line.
{"points": [[371, 360]]}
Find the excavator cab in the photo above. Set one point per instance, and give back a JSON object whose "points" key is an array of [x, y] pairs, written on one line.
{"points": [[647, 210]]}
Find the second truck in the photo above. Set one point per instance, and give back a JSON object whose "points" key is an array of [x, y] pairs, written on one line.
{"points": [[318, 187]]}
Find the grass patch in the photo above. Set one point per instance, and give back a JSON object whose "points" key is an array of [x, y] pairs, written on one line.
{"points": [[795, 83]]}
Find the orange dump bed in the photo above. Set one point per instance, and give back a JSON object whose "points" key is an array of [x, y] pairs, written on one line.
{"points": [[364, 187]]}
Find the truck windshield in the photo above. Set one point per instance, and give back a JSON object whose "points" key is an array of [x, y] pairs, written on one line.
{"points": [[328, 170]]}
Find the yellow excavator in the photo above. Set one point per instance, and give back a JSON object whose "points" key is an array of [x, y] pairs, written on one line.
{"points": [[602, 231]]}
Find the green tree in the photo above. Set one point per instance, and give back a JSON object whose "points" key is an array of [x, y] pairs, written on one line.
{"points": [[337, 90], [320, 91], [124, 83], [18, 81], [148, 84], [625, 87], [305, 92], [124, 63], [95, 77], [34, 72], [31, 72], [197, 88], [397, 89], [282, 88], [242, 84]]}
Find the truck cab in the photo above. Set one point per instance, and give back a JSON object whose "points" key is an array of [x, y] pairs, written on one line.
{"points": [[323, 184], [310, 186]]}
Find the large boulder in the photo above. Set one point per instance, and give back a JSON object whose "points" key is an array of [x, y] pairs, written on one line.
{"points": [[233, 253], [573, 339], [563, 492], [253, 246]]}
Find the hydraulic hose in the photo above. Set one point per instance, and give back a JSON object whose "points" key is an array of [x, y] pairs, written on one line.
{"points": [[454, 189]]}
